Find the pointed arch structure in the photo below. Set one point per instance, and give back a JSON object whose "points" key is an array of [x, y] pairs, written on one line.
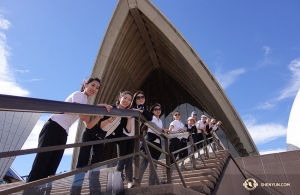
{"points": [[143, 50]]}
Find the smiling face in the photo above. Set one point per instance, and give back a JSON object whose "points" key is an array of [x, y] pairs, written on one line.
{"points": [[140, 99], [156, 111], [125, 100], [91, 88], [191, 121]]}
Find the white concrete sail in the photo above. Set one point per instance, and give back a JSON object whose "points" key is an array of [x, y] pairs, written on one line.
{"points": [[293, 130]]}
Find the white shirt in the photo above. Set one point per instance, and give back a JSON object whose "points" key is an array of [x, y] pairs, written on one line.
{"points": [[177, 125], [66, 120], [132, 128], [202, 126], [158, 122]]}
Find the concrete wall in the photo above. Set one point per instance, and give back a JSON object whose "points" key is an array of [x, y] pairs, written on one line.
{"points": [[231, 181], [273, 168]]}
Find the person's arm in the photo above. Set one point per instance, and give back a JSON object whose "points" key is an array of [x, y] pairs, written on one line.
{"points": [[128, 125], [147, 115], [171, 127], [91, 123], [165, 130], [106, 121]]}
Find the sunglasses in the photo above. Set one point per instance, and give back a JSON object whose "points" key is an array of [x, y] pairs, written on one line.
{"points": [[176, 114], [156, 109], [140, 97]]}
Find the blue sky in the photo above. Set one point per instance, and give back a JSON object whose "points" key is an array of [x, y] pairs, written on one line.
{"points": [[252, 47]]}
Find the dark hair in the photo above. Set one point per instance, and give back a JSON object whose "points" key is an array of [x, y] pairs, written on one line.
{"points": [[175, 112], [153, 106], [121, 94], [133, 103], [91, 79]]}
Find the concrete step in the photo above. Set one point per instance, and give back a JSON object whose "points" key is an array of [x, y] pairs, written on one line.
{"points": [[199, 181]]}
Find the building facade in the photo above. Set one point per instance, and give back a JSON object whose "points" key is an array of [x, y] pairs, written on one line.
{"points": [[142, 50]]}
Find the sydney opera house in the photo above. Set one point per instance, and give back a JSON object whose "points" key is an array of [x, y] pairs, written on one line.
{"points": [[142, 50]]}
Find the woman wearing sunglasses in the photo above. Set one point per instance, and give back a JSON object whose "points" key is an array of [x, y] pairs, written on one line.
{"points": [[138, 104], [176, 126], [154, 139]]}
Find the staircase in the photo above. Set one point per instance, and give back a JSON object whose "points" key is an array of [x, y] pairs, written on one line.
{"points": [[201, 180]]}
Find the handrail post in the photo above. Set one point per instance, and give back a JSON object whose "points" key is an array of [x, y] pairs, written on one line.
{"points": [[151, 164], [178, 170], [205, 150], [136, 158], [192, 159], [168, 161]]}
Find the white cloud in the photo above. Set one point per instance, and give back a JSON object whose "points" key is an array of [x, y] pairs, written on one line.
{"points": [[263, 133], [32, 140], [227, 78], [4, 24], [267, 59], [265, 106], [21, 71], [294, 84], [271, 151], [8, 83], [35, 79], [267, 50]]}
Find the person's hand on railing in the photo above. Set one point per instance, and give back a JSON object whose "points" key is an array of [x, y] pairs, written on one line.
{"points": [[141, 111], [219, 123], [166, 130], [181, 130], [107, 107]]}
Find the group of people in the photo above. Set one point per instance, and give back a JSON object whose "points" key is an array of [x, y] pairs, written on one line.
{"points": [[55, 132]]}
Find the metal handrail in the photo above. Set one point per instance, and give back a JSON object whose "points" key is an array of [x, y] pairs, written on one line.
{"points": [[60, 147], [64, 175], [24, 104], [155, 161], [157, 148]]}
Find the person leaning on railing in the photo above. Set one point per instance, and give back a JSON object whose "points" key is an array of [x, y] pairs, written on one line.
{"points": [[138, 104], [126, 147], [176, 126], [55, 132], [154, 139], [108, 127], [213, 127], [201, 126], [191, 127]]}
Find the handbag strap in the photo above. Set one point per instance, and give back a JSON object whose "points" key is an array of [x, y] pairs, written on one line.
{"points": [[111, 127]]}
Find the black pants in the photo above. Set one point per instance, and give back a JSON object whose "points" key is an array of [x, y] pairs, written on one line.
{"points": [[175, 144], [195, 138], [45, 164], [200, 138], [185, 152], [209, 138], [155, 154], [85, 151], [126, 147]]}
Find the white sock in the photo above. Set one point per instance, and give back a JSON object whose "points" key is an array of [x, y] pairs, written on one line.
{"points": [[129, 184]]}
